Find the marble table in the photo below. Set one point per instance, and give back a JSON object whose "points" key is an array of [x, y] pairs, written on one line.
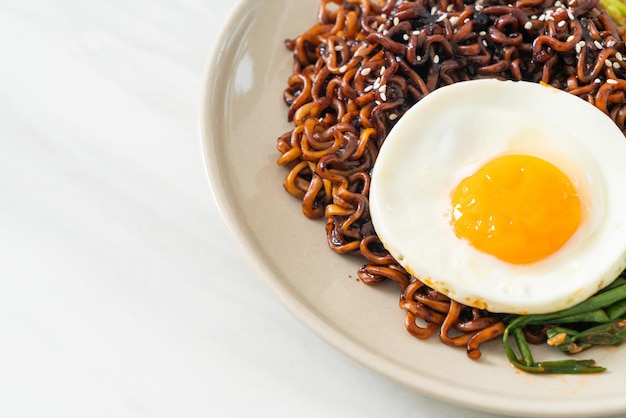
{"points": [[120, 292]]}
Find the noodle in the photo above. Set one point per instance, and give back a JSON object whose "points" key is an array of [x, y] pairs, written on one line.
{"points": [[363, 64]]}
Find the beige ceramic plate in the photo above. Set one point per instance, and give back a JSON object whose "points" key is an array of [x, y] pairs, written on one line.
{"points": [[243, 114]]}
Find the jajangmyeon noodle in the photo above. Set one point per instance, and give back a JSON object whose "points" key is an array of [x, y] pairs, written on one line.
{"points": [[363, 64]]}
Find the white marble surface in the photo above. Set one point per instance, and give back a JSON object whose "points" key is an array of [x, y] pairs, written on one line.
{"points": [[120, 292]]}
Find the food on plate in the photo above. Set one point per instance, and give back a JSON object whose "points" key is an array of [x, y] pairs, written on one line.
{"points": [[365, 65]]}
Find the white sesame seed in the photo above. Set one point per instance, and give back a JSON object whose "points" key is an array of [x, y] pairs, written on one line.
{"points": [[338, 47], [343, 68], [416, 32], [478, 7], [368, 88], [611, 81], [393, 116], [578, 48], [383, 89], [442, 17], [533, 17], [433, 10], [528, 25], [597, 81], [571, 2], [542, 18], [549, 12], [376, 84], [418, 58], [466, 20], [570, 38], [380, 28], [450, 7], [482, 33], [377, 102], [383, 15], [597, 44], [396, 21], [383, 97], [454, 20], [570, 14], [608, 63], [619, 56], [405, 37], [366, 71], [616, 65], [485, 44], [558, 4], [382, 69], [582, 43], [561, 23], [436, 59], [385, 32]]}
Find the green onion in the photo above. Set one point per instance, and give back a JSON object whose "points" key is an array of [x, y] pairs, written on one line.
{"points": [[606, 309], [617, 10]]}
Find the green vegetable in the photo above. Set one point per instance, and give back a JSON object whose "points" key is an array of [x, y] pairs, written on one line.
{"points": [[606, 309], [617, 10]]}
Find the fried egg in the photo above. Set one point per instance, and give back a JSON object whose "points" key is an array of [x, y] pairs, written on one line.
{"points": [[506, 196]]}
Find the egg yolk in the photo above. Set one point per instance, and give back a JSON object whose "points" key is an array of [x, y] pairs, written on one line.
{"points": [[518, 208]]}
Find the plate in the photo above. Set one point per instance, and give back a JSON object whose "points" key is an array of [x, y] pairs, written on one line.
{"points": [[242, 116]]}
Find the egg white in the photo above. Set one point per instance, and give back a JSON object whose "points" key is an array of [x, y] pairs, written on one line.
{"points": [[455, 130]]}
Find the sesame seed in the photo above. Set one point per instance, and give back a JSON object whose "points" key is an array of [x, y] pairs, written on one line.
{"points": [[377, 102], [454, 20], [619, 56], [416, 32], [405, 37], [597, 44], [482, 33], [442, 17], [558, 4], [433, 10], [393, 116], [542, 18], [450, 7], [597, 81], [383, 89], [418, 58], [616, 65], [533, 17], [571, 2], [582, 43], [608, 63], [466, 20], [570, 14], [338, 47], [528, 25], [366, 71], [396, 21], [380, 28], [343, 68], [382, 69], [578, 48], [485, 44], [383, 15], [478, 7], [377, 83], [383, 97], [570, 38], [436, 59], [611, 81], [561, 23], [368, 88]]}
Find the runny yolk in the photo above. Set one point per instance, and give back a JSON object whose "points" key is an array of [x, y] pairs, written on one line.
{"points": [[518, 208]]}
